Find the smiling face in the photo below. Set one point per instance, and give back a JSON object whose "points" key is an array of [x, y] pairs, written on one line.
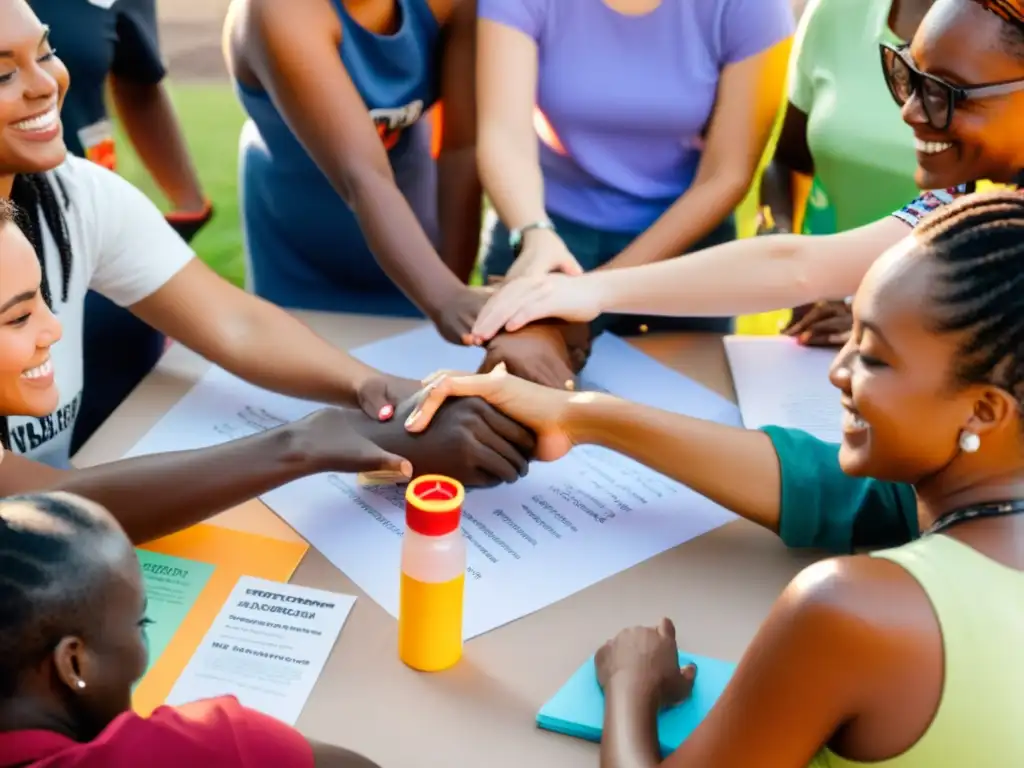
{"points": [[33, 82], [27, 331], [965, 45], [903, 412]]}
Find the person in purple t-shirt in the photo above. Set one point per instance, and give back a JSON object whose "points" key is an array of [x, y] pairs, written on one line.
{"points": [[651, 115]]}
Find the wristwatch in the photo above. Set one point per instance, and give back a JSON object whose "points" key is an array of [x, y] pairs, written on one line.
{"points": [[515, 236]]}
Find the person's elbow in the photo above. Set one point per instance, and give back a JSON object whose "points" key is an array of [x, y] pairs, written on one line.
{"points": [[799, 260], [359, 182]]}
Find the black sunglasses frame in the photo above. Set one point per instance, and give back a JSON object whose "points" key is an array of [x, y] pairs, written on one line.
{"points": [[954, 94]]}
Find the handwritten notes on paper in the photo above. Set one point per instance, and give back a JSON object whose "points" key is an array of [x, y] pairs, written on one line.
{"points": [[778, 382], [567, 525]]}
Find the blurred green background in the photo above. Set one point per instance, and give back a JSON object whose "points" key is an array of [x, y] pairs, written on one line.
{"points": [[211, 119]]}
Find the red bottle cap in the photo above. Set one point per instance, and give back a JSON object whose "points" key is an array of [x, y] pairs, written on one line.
{"points": [[433, 505]]}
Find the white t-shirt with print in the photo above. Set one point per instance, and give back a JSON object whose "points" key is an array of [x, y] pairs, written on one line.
{"points": [[122, 248]]}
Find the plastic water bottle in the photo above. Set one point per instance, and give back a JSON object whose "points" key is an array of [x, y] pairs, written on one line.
{"points": [[433, 574]]}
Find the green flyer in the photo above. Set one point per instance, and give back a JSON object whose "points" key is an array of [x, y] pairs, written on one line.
{"points": [[172, 587]]}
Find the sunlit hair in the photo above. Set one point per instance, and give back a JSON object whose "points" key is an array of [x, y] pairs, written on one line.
{"points": [[978, 243]]}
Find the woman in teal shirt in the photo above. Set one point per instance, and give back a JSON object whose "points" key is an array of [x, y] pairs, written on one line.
{"points": [[862, 654]]}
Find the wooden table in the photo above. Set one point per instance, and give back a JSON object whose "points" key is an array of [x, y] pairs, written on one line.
{"points": [[717, 588]]}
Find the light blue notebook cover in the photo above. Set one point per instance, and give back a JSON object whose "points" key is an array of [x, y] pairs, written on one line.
{"points": [[578, 709]]}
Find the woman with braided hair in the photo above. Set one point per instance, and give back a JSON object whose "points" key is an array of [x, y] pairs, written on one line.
{"points": [[905, 658], [92, 230], [960, 84], [73, 613]]}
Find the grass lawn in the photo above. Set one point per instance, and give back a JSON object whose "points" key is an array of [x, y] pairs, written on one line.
{"points": [[212, 119]]}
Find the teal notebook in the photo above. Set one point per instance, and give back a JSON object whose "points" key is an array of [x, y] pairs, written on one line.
{"points": [[578, 709]]}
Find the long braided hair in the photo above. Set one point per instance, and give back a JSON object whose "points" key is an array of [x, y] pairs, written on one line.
{"points": [[39, 198]]}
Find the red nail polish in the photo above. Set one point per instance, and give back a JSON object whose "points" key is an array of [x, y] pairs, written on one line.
{"points": [[386, 412]]}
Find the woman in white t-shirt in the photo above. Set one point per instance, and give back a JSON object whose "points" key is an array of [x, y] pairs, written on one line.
{"points": [[92, 229], [146, 494]]}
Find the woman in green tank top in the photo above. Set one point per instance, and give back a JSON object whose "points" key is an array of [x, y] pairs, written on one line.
{"points": [[906, 658]]}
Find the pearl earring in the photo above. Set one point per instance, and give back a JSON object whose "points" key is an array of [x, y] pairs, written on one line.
{"points": [[81, 684], [969, 442]]}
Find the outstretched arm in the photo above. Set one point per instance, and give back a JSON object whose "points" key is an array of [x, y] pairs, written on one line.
{"points": [[156, 495], [701, 454], [738, 278], [294, 49], [793, 484]]}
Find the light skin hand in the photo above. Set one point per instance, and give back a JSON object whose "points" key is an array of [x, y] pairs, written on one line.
{"points": [[543, 410], [699, 454], [543, 252], [518, 303]]}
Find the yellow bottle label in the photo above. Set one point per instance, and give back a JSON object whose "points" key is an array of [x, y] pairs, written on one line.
{"points": [[430, 623]]}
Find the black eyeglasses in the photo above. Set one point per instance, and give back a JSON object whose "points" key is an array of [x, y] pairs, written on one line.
{"points": [[938, 98]]}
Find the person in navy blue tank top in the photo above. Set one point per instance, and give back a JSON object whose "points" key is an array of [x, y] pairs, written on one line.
{"points": [[343, 206]]}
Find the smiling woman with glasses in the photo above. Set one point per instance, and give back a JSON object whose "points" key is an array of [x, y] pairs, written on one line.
{"points": [[961, 86], [938, 97]]}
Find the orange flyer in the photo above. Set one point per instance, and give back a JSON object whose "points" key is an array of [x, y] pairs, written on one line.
{"points": [[189, 576]]}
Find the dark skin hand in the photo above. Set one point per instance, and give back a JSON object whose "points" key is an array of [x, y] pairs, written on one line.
{"points": [[540, 353], [186, 487], [643, 661], [468, 440], [825, 324], [291, 51]]}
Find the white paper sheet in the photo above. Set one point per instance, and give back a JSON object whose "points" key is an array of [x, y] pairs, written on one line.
{"points": [[266, 647], [567, 525], [778, 382]]}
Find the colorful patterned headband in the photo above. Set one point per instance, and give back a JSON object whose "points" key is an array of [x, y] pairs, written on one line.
{"points": [[1009, 10]]}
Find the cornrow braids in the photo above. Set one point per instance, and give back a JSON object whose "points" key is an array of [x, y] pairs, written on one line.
{"points": [[46, 584], [978, 243], [33, 193]]}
